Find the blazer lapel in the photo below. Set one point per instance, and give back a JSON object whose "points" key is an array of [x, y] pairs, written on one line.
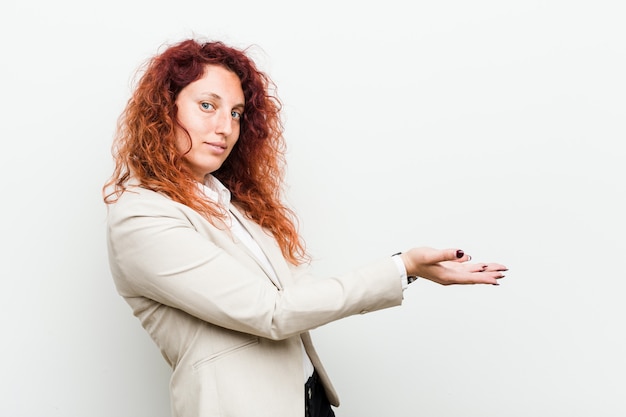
{"points": [[268, 247]]}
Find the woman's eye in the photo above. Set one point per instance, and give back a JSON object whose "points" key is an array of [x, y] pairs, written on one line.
{"points": [[206, 106], [235, 115]]}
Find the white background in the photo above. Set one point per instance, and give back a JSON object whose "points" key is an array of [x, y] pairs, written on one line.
{"points": [[494, 126]]}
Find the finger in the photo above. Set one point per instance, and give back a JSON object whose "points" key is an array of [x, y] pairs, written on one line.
{"points": [[459, 255], [488, 277], [497, 275], [495, 267], [476, 267], [426, 255]]}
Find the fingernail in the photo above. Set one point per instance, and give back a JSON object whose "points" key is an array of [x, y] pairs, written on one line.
{"points": [[459, 253]]}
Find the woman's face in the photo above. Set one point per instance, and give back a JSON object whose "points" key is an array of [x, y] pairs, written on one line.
{"points": [[210, 109]]}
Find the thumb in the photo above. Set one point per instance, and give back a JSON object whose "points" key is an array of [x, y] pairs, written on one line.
{"points": [[458, 255], [417, 258], [451, 254], [428, 255]]}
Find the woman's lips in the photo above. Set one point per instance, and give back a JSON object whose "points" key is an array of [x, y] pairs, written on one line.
{"points": [[217, 147]]}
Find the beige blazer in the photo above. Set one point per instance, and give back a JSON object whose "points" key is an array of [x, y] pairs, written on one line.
{"points": [[231, 333]]}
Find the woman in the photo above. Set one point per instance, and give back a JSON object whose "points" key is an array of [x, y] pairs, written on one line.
{"points": [[209, 258]]}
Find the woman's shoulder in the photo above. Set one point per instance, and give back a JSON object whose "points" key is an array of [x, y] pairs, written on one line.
{"points": [[137, 201], [134, 194]]}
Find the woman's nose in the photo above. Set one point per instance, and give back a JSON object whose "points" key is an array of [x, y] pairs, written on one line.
{"points": [[224, 123]]}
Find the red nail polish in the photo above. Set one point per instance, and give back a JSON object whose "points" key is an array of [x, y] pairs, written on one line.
{"points": [[459, 253]]}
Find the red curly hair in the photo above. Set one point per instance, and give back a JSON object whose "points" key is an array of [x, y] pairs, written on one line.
{"points": [[144, 146]]}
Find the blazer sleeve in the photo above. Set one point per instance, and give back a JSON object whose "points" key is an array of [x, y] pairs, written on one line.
{"points": [[156, 251]]}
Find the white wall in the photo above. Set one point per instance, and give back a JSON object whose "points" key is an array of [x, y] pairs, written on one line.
{"points": [[493, 126]]}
